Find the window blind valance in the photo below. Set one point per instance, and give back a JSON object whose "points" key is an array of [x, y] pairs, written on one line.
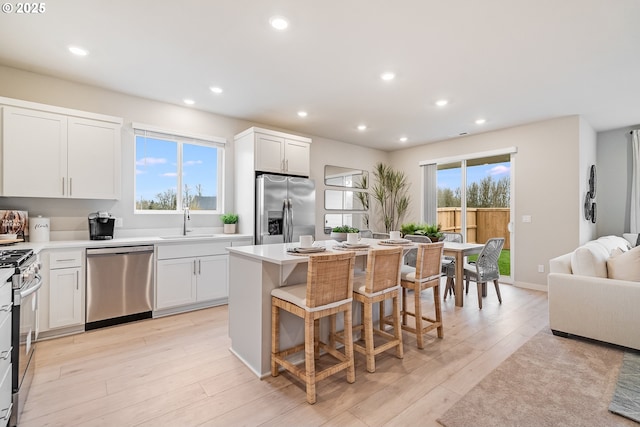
{"points": [[157, 132]]}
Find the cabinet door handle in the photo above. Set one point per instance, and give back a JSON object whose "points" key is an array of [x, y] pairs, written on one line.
{"points": [[199, 267], [71, 186], [194, 267], [63, 185], [6, 354], [77, 280], [8, 414], [6, 307]]}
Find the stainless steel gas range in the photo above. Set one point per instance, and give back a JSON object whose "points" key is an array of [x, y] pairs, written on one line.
{"points": [[25, 283]]}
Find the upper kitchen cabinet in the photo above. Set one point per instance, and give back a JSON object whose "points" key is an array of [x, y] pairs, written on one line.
{"points": [[275, 152], [76, 157]]}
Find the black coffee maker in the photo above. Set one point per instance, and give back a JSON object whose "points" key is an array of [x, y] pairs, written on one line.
{"points": [[101, 226]]}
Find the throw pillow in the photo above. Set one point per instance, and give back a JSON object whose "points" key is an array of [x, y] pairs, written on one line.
{"points": [[625, 266], [590, 259]]}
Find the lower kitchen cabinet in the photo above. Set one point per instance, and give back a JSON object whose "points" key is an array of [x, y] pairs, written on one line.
{"points": [[191, 274], [65, 297], [61, 308]]}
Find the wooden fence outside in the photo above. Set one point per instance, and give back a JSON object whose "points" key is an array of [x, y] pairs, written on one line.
{"points": [[482, 223]]}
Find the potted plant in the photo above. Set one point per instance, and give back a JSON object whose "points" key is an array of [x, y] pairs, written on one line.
{"points": [[432, 231], [229, 220], [390, 191], [340, 233]]}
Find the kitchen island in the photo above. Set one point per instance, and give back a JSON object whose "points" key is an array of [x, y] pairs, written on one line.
{"points": [[254, 271]]}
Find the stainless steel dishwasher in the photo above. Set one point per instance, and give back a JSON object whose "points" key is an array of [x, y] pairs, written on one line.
{"points": [[119, 285]]}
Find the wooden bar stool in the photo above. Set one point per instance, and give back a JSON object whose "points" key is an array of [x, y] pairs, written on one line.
{"points": [[380, 283], [426, 274], [328, 291]]}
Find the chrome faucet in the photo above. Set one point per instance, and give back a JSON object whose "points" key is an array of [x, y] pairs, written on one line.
{"points": [[185, 217]]}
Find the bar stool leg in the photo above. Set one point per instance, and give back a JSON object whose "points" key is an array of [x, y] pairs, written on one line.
{"points": [[418, 316], [309, 354], [275, 338], [436, 301], [397, 328], [367, 322], [348, 345]]}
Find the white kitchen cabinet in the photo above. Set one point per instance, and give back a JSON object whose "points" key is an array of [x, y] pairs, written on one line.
{"points": [[63, 292], [94, 158], [75, 157], [264, 150], [274, 151], [191, 274], [65, 297]]}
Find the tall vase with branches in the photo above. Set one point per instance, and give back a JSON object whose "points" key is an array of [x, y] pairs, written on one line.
{"points": [[390, 190]]}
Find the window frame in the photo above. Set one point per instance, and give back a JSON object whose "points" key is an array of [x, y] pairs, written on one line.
{"points": [[180, 139]]}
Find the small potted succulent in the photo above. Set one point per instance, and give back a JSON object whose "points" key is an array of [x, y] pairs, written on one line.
{"points": [[340, 233], [229, 220]]}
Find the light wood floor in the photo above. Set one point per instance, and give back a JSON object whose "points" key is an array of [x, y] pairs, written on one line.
{"points": [[178, 371]]}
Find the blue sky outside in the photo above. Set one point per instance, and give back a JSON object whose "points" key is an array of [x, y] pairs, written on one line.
{"points": [[450, 178], [157, 167]]}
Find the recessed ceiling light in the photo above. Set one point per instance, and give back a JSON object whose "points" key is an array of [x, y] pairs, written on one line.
{"points": [[404, 139], [302, 113], [441, 102], [362, 127], [78, 51], [481, 121], [387, 76], [216, 90], [279, 23], [189, 101]]}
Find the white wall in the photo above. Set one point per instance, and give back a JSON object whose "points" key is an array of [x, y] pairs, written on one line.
{"points": [[330, 152], [546, 186], [614, 181], [587, 157]]}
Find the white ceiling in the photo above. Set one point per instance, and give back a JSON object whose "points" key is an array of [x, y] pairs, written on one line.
{"points": [[508, 61]]}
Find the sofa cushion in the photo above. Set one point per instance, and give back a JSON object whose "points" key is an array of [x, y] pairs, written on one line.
{"points": [[625, 265], [613, 242], [632, 238], [590, 259]]}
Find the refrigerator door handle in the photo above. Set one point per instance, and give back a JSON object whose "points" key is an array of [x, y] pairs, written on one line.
{"points": [[290, 225], [285, 220]]}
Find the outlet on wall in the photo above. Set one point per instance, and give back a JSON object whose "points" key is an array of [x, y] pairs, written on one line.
{"points": [[541, 268], [118, 223]]}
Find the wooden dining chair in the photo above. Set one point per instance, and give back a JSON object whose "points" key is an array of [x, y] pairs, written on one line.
{"points": [[485, 268], [328, 291], [380, 283], [425, 275]]}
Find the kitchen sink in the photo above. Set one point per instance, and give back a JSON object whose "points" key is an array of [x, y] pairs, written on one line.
{"points": [[189, 236]]}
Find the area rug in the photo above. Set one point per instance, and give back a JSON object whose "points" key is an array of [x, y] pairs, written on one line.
{"points": [[626, 398], [549, 381]]}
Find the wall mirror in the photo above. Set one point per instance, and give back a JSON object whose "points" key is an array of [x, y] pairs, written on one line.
{"points": [[339, 176], [346, 200], [357, 220]]}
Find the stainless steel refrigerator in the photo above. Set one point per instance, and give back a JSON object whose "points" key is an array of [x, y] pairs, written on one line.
{"points": [[285, 208]]}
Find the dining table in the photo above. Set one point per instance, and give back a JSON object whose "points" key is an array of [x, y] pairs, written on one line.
{"points": [[459, 251]]}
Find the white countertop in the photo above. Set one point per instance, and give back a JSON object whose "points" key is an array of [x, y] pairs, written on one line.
{"points": [[277, 253], [126, 241]]}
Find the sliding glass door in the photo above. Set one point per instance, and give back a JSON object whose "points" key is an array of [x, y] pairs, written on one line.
{"points": [[474, 198]]}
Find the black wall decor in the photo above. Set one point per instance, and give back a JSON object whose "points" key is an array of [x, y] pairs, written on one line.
{"points": [[589, 202]]}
